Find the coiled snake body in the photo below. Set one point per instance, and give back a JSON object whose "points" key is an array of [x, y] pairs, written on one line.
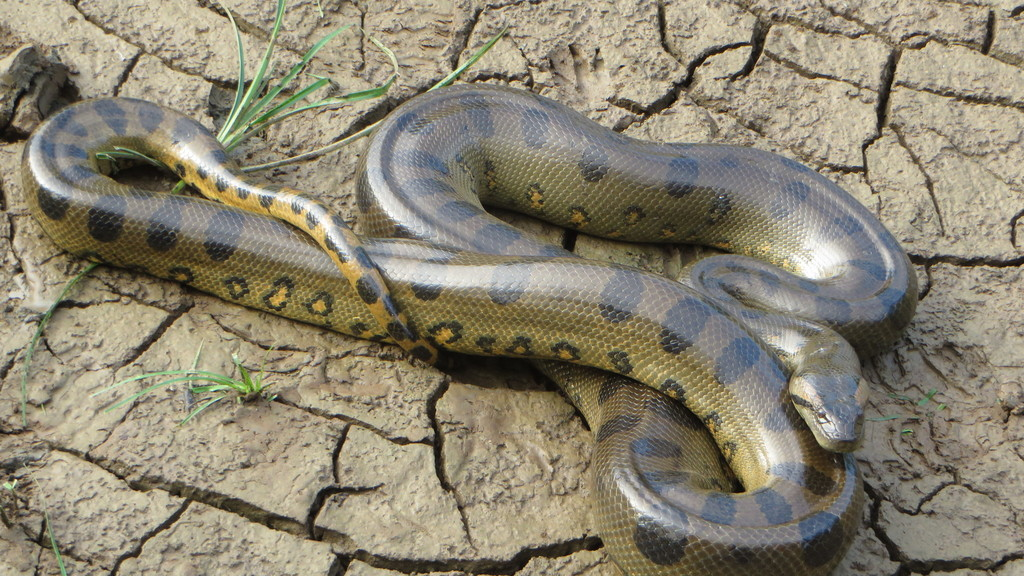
{"points": [[809, 264]]}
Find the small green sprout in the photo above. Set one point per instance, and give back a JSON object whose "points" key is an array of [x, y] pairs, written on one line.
{"points": [[247, 387], [8, 487]]}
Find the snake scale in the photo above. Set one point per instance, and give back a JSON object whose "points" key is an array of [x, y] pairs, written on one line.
{"points": [[754, 343]]}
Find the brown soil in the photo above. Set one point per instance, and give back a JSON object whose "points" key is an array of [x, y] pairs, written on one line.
{"points": [[367, 464]]}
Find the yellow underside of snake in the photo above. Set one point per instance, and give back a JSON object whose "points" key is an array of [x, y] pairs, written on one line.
{"points": [[758, 338]]}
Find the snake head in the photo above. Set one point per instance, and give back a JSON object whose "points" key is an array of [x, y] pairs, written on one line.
{"points": [[832, 405]]}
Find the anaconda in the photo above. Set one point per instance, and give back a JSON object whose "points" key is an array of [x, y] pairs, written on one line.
{"points": [[754, 340]]}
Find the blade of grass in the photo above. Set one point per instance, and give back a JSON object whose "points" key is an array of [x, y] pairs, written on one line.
{"points": [[369, 94], [316, 153], [183, 376], [295, 70], [289, 101], [129, 154], [145, 391], [268, 119], [236, 107], [259, 80], [215, 388], [893, 417], [197, 373], [53, 544], [470, 61], [326, 103], [31, 349], [279, 114], [206, 404], [189, 398], [927, 397]]}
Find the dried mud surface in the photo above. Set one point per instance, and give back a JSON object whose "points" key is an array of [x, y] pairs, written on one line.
{"points": [[368, 464]]}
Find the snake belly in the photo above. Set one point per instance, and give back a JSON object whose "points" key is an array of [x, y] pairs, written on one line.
{"points": [[471, 284]]}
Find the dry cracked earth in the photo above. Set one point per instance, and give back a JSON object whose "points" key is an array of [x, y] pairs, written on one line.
{"points": [[369, 464]]}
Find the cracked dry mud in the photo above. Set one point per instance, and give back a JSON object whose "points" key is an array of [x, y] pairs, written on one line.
{"points": [[369, 465]]}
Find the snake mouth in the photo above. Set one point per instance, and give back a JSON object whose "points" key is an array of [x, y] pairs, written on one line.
{"points": [[832, 409], [843, 434]]}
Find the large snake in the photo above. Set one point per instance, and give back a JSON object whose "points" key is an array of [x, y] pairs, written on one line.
{"points": [[758, 338]]}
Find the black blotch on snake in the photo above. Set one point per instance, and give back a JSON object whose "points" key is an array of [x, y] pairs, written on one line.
{"points": [[280, 293], [621, 296], [655, 448], [165, 224], [113, 116], [658, 544], [736, 358], [774, 507], [805, 476], [321, 304], [53, 203], [593, 165], [509, 282], [106, 218], [822, 536], [620, 361], [222, 234], [237, 287], [682, 176]]}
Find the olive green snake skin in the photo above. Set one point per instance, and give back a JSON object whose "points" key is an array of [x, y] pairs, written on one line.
{"points": [[757, 343]]}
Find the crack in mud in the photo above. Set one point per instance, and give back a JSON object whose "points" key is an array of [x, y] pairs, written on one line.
{"points": [[461, 38], [997, 101], [127, 72], [530, 81], [676, 89], [885, 87], [1013, 228], [930, 495], [812, 75], [353, 421], [483, 566], [990, 33], [662, 25], [320, 534], [223, 502], [5, 369], [43, 541], [244, 27], [136, 551], [929, 184], [137, 351], [439, 467], [757, 43], [874, 523]]}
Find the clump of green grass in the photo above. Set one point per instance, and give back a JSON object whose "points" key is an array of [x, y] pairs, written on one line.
{"points": [[204, 388], [259, 103]]}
